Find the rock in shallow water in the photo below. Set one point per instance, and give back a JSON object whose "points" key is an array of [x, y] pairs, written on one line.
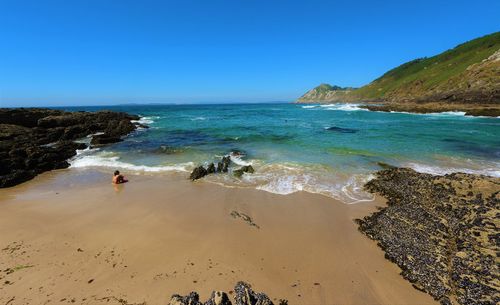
{"points": [[222, 167], [198, 173], [211, 168], [341, 130], [245, 169], [442, 231]]}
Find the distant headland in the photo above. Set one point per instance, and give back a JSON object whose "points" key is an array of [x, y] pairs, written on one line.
{"points": [[465, 78]]}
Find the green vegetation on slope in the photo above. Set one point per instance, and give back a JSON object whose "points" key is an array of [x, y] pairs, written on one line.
{"points": [[464, 71], [425, 74]]}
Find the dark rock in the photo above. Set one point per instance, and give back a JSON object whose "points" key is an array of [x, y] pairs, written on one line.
{"points": [[226, 160], [141, 125], [245, 169], [244, 296], [35, 140], [191, 299], [198, 173], [223, 165], [104, 139], [26, 117], [211, 168], [434, 227], [9, 131], [341, 130], [218, 298]]}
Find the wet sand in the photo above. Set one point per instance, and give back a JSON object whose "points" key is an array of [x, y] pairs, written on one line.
{"points": [[69, 236]]}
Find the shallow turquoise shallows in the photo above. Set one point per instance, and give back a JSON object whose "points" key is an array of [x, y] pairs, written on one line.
{"points": [[327, 149]]}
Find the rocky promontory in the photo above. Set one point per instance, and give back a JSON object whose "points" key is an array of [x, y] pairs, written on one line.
{"points": [[465, 78], [35, 140], [442, 231]]}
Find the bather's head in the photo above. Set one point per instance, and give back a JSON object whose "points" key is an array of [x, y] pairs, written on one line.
{"points": [[117, 173]]}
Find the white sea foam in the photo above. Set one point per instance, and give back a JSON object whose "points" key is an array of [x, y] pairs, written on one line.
{"points": [[287, 178], [84, 160], [199, 118], [439, 114], [146, 120], [493, 171], [284, 185], [237, 159], [450, 113], [309, 106], [343, 107]]}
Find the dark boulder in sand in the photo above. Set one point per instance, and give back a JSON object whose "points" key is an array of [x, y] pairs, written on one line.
{"points": [[244, 295], [245, 169], [35, 140], [442, 231], [198, 173]]}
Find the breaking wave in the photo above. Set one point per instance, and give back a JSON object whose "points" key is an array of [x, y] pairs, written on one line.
{"points": [[146, 120], [83, 160], [493, 170], [343, 107]]}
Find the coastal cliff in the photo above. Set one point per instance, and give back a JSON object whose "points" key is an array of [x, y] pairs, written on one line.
{"points": [[35, 140], [466, 77], [442, 231], [326, 92]]}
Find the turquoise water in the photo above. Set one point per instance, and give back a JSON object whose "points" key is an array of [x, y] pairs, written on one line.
{"points": [[328, 149]]}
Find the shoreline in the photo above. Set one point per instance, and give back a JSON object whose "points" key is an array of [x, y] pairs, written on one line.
{"points": [[441, 230], [179, 236]]}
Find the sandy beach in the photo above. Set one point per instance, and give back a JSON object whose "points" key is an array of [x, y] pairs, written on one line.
{"points": [[69, 236]]}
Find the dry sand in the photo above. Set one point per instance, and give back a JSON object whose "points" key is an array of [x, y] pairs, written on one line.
{"points": [[69, 236]]}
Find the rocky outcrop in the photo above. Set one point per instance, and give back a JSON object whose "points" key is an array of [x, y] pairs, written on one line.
{"points": [[222, 167], [198, 173], [244, 295], [34, 140], [244, 169], [470, 109], [465, 78], [326, 92], [442, 231]]}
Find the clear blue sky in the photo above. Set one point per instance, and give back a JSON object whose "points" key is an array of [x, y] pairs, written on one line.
{"points": [[104, 52]]}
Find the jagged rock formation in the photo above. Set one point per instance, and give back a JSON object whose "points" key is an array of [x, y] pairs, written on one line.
{"points": [[244, 295], [222, 167], [200, 172], [465, 77], [34, 140], [442, 231], [244, 169]]}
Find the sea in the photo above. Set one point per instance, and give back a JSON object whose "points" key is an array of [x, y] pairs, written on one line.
{"points": [[328, 149]]}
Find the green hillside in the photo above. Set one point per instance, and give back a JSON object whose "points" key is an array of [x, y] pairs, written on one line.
{"points": [[468, 72]]}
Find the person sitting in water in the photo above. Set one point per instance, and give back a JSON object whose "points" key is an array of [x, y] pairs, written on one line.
{"points": [[117, 178]]}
